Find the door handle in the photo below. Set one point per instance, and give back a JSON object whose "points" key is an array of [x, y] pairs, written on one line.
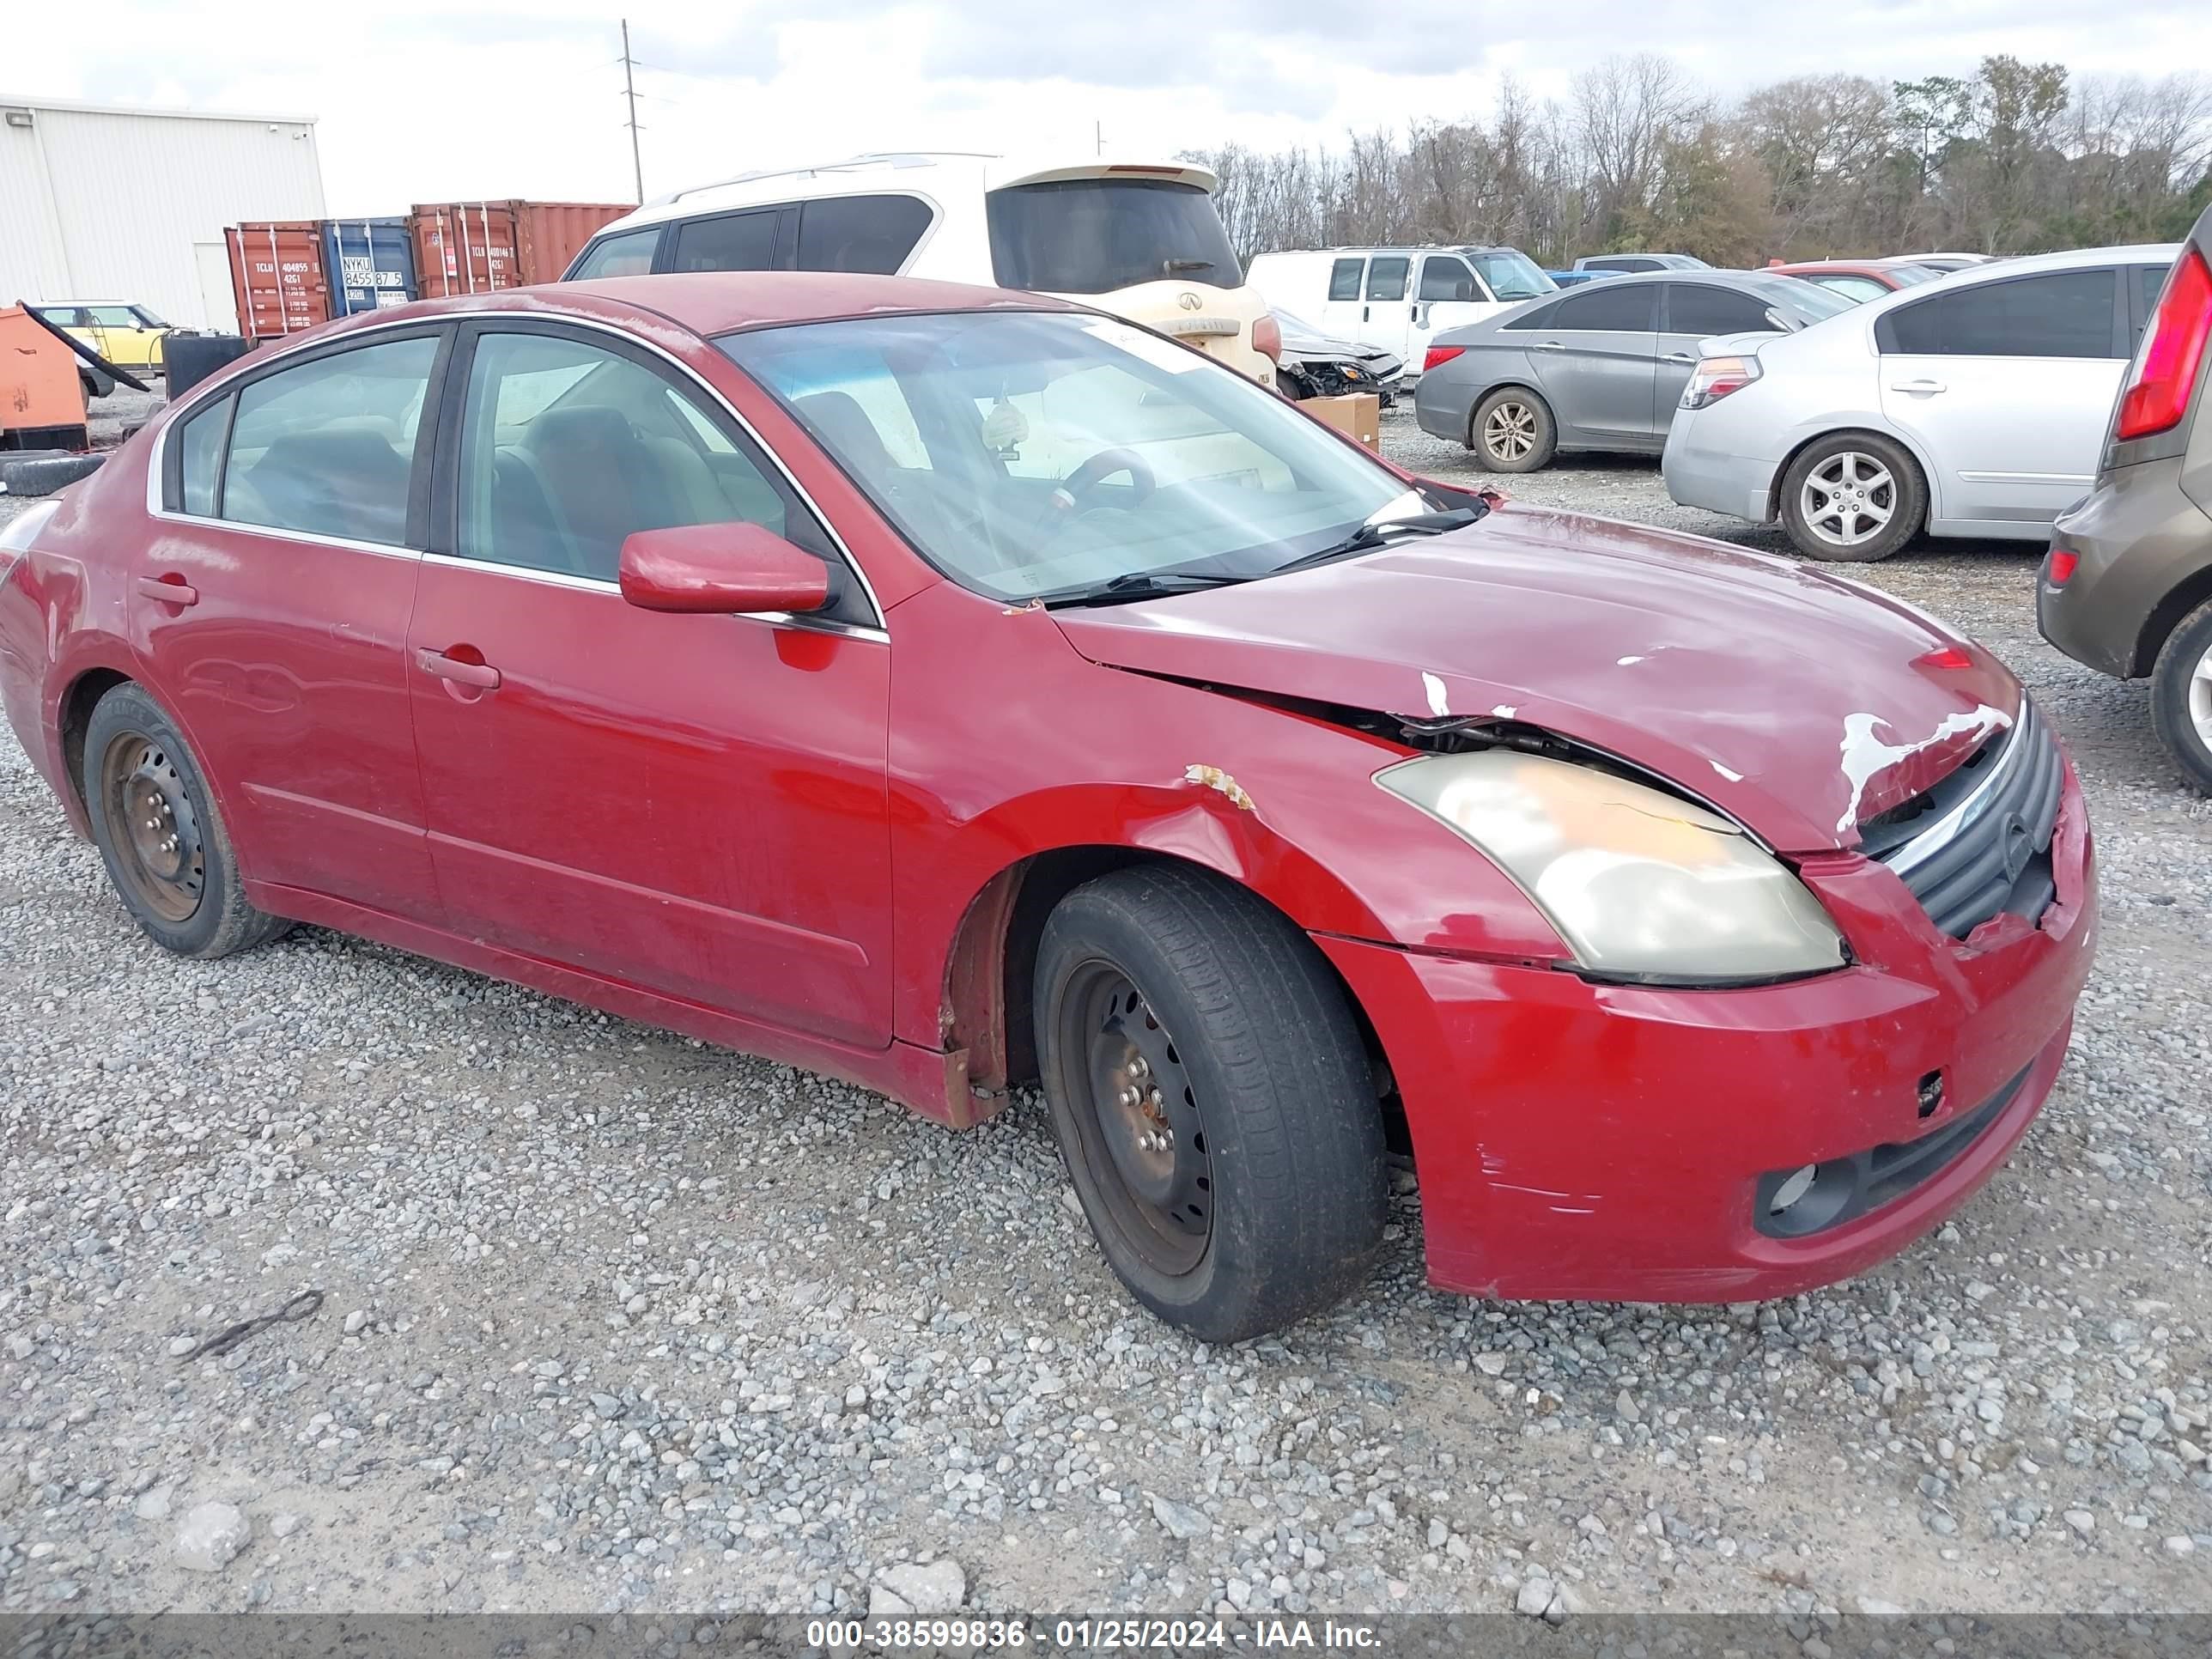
{"points": [[1546, 345], [169, 592], [1679, 357], [439, 665], [1922, 388], [1362, 313]]}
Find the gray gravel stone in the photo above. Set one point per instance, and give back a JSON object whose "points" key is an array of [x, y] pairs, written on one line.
{"points": [[209, 1537]]}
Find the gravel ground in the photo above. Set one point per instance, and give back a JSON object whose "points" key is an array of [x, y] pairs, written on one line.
{"points": [[617, 1321]]}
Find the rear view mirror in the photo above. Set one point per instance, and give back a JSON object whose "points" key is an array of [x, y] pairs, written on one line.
{"points": [[721, 569]]}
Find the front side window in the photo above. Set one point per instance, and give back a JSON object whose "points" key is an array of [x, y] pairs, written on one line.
{"points": [[1698, 309], [567, 447], [328, 448], [1611, 306], [1446, 276], [199, 452], [1386, 276], [1512, 275], [1095, 235], [112, 316], [628, 254], [1031, 454], [1344, 278], [873, 234], [2061, 313], [736, 241]]}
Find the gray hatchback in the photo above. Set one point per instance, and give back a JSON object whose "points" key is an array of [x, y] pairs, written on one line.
{"points": [[1600, 367], [2127, 585]]}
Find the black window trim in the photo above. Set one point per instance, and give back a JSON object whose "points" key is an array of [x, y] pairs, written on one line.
{"points": [[443, 511], [2118, 346], [164, 482]]}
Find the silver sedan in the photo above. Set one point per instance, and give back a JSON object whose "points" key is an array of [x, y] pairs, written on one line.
{"points": [[1600, 368]]}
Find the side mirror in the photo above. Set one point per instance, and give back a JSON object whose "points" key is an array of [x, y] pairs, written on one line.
{"points": [[721, 569]]}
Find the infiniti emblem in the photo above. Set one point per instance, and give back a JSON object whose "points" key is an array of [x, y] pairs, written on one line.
{"points": [[1188, 302]]}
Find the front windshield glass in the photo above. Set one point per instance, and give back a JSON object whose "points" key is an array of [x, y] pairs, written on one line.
{"points": [[1035, 454], [148, 318], [1512, 274]]}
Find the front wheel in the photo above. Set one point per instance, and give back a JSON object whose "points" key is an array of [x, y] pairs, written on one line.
{"points": [[2181, 697], [1212, 1100], [1853, 498]]}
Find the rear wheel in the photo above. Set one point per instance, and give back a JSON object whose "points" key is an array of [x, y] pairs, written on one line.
{"points": [[1513, 431], [2181, 697], [160, 835], [1853, 498], [1212, 1100]]}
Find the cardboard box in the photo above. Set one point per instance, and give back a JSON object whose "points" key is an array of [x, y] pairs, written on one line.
{"points": [[1357, 414]]}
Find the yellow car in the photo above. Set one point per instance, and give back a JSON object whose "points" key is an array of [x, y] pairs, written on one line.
{"points": [[128, 335]]}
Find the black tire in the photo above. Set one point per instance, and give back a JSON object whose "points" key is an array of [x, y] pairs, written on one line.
{"points": [[1512, 430], [190, 901], [1292, 385], [1902, 497], [47, 474], [1278, 1115], [2181, 725]]}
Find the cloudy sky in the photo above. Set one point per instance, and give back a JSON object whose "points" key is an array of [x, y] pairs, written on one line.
{"points": [[424, 101]]}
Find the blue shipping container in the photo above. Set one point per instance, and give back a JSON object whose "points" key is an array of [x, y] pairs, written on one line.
{"points": [[371, 264]]}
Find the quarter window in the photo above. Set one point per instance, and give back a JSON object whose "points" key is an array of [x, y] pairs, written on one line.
{"points": [[1344, 278], [736, 241], [1386, 277], [629, 254], [2063, 313], [199, 457], [1612, 306], [328, 448], [1698, 308], [567, 448], [860, 233]]}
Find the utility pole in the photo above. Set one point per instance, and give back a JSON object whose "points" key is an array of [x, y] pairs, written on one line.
{"points": [[1098, 131], [630, 92]]}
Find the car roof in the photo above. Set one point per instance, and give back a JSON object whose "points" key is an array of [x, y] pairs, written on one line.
{"points": [[64, 305], [1840, 266], [711, 302], [2026, 265]]}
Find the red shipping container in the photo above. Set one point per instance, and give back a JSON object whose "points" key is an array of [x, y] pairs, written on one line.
{"points": [[472, 247], [277, 276]]}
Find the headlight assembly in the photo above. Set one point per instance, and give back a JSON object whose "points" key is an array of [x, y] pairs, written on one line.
{"points": [[1640, 883]]}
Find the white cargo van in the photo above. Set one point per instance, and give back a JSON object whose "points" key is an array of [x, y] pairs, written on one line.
{"points": [[1139, 239], [1398, 298]]}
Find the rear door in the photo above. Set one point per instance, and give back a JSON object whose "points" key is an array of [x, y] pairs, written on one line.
{"points": [[1594, 361], [1339, 313], [1692, 312], [2006, 387]]}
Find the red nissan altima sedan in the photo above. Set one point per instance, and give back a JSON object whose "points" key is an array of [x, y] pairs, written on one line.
{"points": [[943, 689]]}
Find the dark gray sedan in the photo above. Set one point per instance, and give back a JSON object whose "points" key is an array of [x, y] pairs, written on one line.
{"points": [[1600, 368]]}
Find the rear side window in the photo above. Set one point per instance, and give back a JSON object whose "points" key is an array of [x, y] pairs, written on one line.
{"points": [[199, 452], [629, 254], [1094, 235], [2146, 284], [1344, 278], [1386, 276], [1611, 305], [1620, 262], [328, 448], [1698, 308], [735, 241], [2063, 313], [873, 234]]}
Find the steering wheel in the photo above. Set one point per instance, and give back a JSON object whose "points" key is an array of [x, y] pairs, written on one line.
{"points": [[1071, 499]]}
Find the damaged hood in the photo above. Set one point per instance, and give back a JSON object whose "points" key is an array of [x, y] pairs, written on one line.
{"points": [[1798, 702]]}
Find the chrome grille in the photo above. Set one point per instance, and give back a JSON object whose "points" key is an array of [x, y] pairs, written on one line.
{"points": [[1978, 844]]}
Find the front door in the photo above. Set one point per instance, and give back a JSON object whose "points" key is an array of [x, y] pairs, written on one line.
{"points": [[272, 606], [1450, 296], [2007, 386], [694, 804]]}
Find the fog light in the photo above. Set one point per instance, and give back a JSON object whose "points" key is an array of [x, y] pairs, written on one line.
{"points": [[1792, 1189]]}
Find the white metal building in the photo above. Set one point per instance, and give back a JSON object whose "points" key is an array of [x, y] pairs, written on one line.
{"points": [[99, 202]]}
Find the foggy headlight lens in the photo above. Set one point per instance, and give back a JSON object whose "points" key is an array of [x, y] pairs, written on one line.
{"points": [[1639, 883]]}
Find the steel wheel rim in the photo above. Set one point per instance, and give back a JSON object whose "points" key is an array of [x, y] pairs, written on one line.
{"points": [[2200, 698], [1848, 499], [1141, 1140], [153, 827], [1508, 431]]}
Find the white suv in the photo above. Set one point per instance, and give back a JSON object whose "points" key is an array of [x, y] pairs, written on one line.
{"points": [[1139, 238]]}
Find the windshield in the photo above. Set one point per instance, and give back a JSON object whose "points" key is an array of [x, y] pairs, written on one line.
{"points": [[1094, 235], [148, 319], [1512, 274], [1044, 454]]}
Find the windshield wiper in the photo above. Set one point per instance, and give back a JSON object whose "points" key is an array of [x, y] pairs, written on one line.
{"points": [[1373, 535], [1171, 266], [1137, 585]]}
